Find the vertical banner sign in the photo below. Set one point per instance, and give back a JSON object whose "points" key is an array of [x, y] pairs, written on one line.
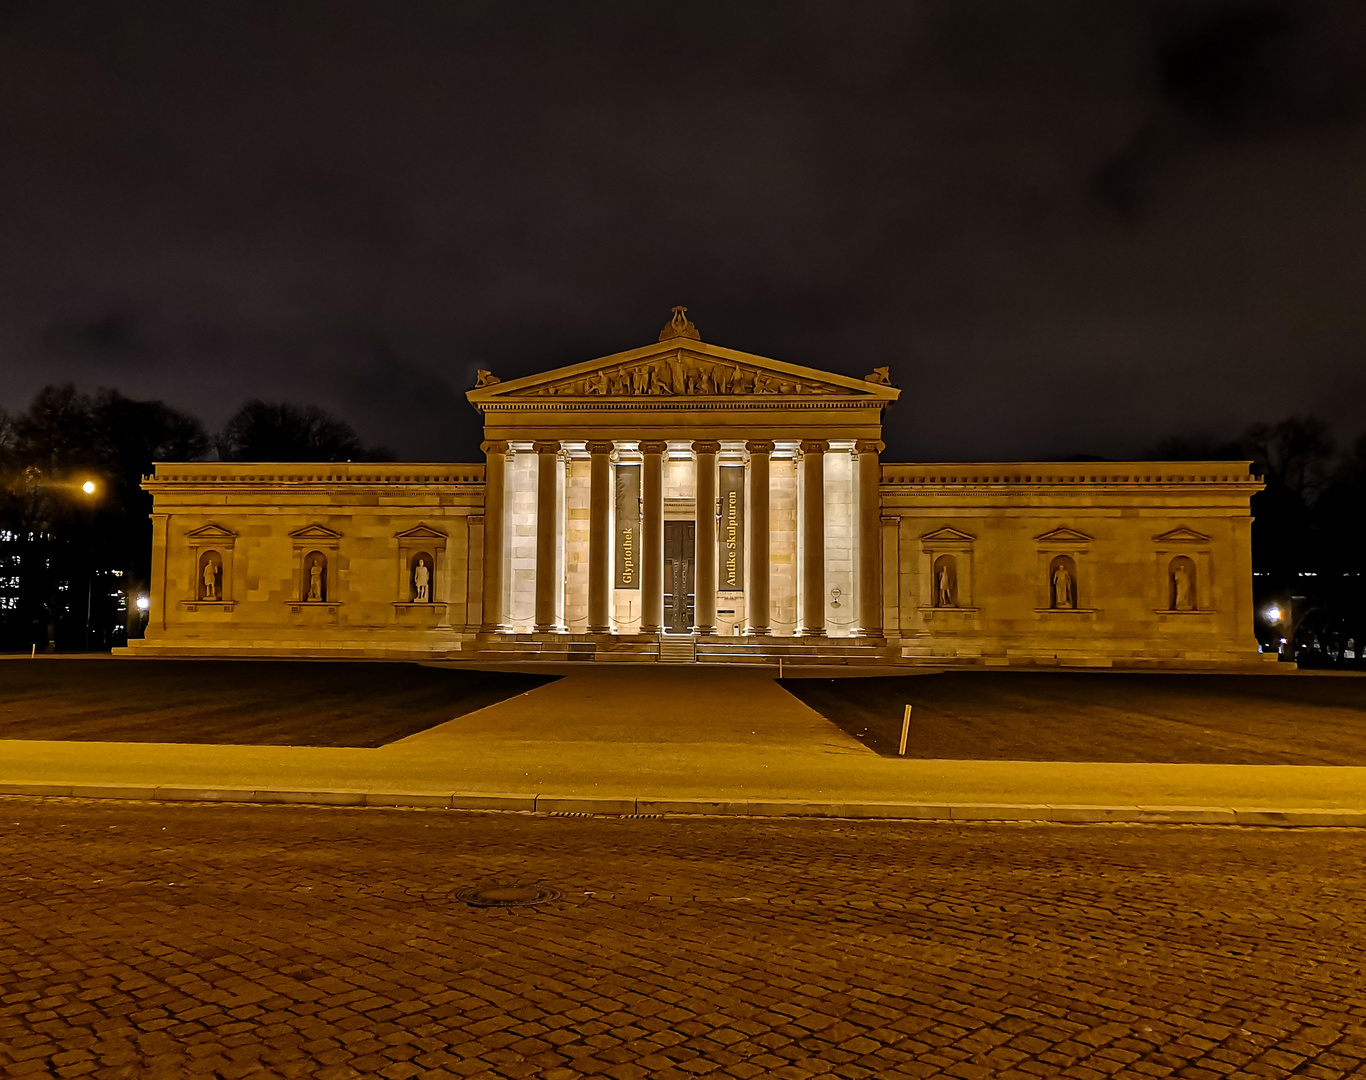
{"points": [[628, 527], [732, 574]]}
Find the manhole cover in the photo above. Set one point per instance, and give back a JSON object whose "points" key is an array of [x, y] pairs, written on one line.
{"points": [[506, 895]]}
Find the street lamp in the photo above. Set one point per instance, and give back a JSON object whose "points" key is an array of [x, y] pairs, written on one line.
{"points": [[89, 489]]}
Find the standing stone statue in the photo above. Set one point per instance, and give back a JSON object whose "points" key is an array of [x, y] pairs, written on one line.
{"points": [[1184, 588], [421, 577], [1063, 594], [210, 581], [315, 580], [944, 597]]}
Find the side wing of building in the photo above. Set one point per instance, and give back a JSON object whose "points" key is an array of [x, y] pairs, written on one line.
{"points": [[364, 560], [1106, 563]]}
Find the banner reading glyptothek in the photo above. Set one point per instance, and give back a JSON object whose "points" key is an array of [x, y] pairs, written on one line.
{"points": [[732, 526], [628, 527]]}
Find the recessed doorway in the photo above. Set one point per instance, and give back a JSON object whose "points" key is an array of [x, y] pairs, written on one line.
{"points": [[680, 547]]}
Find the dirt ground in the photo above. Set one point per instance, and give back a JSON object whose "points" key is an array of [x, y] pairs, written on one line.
{"points": [[260, 703], [1297, 719]]}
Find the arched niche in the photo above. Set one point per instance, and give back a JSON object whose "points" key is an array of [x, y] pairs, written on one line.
{"points": [[209, 576], [421, 577], [944, 582], [1063, 593], [314, 584], [1183, 593]]}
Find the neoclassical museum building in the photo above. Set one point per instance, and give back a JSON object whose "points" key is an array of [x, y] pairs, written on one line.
{"points": [[688, 502]]}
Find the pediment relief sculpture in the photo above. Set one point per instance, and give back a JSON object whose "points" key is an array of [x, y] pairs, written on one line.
{"points": [[681, 375]]}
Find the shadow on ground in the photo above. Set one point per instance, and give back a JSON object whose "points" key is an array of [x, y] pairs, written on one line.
{"points": [[230, 702], [1103, 716]]}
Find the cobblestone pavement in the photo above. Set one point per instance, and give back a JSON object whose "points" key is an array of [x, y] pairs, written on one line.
{"points": [[149, 941]]}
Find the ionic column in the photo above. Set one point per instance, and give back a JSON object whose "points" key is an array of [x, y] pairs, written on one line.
{"points": [[547, 581], [705, 451], [495, 467], [599, 538], [759, 617], [813, 538], [652, 537], [869, 539]]}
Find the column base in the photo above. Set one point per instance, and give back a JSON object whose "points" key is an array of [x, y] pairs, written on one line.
{"points": [[549, 628], [646, 629], [599, 629], [874, 635], [818, 631], [759, 631], [492, 629]]}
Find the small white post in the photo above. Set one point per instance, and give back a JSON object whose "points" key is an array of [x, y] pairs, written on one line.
{"points": [[33, 655], [905, 730], [780, 667]]}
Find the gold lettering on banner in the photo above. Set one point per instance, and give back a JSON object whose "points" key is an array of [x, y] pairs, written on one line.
{"points": [[628, 557], [732, 528]]}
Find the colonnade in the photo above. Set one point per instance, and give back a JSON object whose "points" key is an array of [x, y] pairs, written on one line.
{"points": [[812, 595]]}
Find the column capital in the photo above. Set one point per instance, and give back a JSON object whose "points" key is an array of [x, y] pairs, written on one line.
{"points": [[601, 446], [496, 446], [890, 521], [760, 446], [814, 446], [653, 446], [548, 446], [706, 446], [869, 446]]}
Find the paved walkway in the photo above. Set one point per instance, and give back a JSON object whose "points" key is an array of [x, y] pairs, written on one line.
{"points": [[146, 942], [724, 735]]}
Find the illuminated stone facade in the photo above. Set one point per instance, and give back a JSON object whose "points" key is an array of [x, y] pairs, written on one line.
{"points": [[699, 502]]}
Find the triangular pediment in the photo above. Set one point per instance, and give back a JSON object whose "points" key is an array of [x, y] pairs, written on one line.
{"points": [[947, 534], [315, 532], [211, 531], [681, 367], [420, 532], [1063, 534], [1181, 535]]}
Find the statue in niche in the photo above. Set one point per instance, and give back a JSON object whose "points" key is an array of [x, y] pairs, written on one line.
{"points": [[943, 585], [1064, 588], [211, 579], [1183, 587], [317, 580], [422, 578]]}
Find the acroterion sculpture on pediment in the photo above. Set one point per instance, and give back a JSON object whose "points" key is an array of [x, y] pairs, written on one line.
{"points": [[679, 326]]}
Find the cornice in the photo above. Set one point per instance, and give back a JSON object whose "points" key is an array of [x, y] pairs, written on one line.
{"points": [[760, 403]]}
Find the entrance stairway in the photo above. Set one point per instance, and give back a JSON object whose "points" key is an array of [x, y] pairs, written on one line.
{"points": [[677, 649]]}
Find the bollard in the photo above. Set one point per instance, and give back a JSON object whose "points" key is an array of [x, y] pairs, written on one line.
{"points": [[905, 730]]}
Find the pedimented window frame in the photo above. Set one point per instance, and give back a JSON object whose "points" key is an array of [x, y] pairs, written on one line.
{"points": [[210, 537], [1076, 545], [946, 540], [422, 538], [315, 537], [1195, 545]]}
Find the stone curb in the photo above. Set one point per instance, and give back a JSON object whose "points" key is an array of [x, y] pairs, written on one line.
{"points": [[643, 806]]}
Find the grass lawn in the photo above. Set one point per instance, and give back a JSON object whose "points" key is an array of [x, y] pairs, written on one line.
{"points": [[1293, 719], [247, 702]]}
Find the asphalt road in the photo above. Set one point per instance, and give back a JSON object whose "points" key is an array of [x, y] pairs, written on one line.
{"points": [[149, 941]]}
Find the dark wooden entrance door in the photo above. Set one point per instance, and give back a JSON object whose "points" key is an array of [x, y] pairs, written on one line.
{"points": [[679, 553]]}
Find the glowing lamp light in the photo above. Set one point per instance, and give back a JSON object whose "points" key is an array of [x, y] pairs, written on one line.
{"points": [[88, 487], [143, 603], [1273, 613]]}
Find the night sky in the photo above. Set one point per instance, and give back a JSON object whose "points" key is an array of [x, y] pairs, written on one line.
{"points": [[1067, 227]]}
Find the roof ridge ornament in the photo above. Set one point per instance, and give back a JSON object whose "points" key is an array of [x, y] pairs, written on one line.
{"points": [[679, 326]]}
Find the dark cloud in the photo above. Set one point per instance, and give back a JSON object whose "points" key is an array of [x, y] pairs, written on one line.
{"points": [[360, 204]]}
